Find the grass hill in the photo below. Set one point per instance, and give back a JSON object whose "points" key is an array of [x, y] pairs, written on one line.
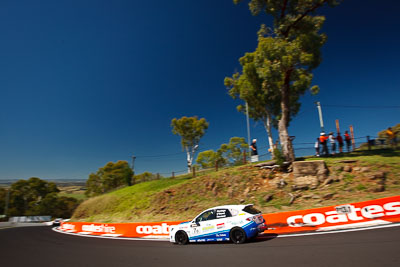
{"points": [[357, 176]]}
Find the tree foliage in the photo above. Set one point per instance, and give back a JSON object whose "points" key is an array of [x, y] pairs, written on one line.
{"points": [[382, 134], [38, 197], [191, 130], [233, 151], [287, 54], [227, 154], [109, 177], [209, 158], [3, 194], [144, 177], [263, 102]]}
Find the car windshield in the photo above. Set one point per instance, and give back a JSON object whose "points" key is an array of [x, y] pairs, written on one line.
{"points": [[206, 216], [250, 209]]}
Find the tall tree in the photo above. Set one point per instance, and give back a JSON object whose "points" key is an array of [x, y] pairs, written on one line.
{"points": [[191, 130], [263, 102], [286, 56], [3, 196], [39, 197], [26, 195], [111, 176]]}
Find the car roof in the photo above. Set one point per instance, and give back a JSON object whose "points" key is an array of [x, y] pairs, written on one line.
{"points": [[240, 207]]}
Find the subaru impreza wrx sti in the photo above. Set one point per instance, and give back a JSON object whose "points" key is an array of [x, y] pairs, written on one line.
{"points": [[236, 223]]}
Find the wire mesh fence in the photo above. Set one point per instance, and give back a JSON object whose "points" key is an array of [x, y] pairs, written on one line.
{"points": [[301, 150]]}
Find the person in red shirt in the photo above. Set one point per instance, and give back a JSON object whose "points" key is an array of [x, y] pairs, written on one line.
{"points": [[339, 138], [323, 139], [347, 138]]}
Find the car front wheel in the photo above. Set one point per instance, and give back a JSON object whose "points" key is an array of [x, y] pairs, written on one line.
{"points": [[238, 235], [181, 238]]}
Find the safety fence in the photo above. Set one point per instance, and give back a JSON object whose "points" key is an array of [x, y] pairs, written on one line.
{"points": [[358, 144], [353, 215], [28, 219]]}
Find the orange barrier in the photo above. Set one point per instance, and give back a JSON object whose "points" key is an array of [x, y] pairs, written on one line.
{"points": [[367, 213], [153, 230]]}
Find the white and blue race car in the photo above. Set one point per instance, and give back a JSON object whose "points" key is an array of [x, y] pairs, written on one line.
{"points": [[236, 223]]}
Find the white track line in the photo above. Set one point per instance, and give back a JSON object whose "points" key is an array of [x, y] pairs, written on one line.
{"points": [[288, 235], [343, 231], [107, 237]]}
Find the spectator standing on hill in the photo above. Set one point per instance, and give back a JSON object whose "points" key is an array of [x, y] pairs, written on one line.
{"points": [[254, 152], [317, 147], [332, 140], [348, 140], [339, 138], [392, 137], [323, 139]]}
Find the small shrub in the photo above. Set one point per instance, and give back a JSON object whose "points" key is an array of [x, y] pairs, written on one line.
{"points": [[361, 187], [348, 178], [278, 156]]}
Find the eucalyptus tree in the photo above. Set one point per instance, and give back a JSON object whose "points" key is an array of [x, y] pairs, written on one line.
{"points": [[263, 102], [287, 54], [191, 130]]}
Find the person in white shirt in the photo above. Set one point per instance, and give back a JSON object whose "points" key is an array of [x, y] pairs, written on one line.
{"points": [[317, 147], [332, 141]]}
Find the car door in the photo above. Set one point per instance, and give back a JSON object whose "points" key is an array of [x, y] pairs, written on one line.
{"points": [[203, 224], [221, 222]]}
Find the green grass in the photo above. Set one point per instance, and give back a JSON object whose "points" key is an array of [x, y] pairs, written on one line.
{"points": [[125, 203]]}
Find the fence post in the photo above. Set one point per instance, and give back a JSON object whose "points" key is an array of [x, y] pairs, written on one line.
{"points": [[194, 171], [352, 137]]}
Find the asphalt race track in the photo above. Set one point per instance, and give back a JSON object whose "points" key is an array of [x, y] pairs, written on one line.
{"points": [[40, 246]]}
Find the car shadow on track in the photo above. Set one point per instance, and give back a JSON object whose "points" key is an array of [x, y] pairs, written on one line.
{"points": [[258, 239], [264, 238]]}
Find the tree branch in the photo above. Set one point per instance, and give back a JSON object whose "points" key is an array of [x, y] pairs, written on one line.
{"points": [[283, 9], [286, 32]]}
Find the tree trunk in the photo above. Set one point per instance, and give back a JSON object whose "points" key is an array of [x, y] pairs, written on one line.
{"points": [[189, 160], [284, 138], [190, 155], [267, 125]]}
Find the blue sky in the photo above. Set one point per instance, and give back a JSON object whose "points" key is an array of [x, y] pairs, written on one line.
{"points": [[86, 82]]}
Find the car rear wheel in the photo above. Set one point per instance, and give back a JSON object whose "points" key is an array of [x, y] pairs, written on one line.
{"points": [[181, 238], [238, 236]]}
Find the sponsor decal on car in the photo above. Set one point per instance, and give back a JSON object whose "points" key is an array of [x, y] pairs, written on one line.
{"points": [[208, 228], [221, 214], [220, 225]]}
